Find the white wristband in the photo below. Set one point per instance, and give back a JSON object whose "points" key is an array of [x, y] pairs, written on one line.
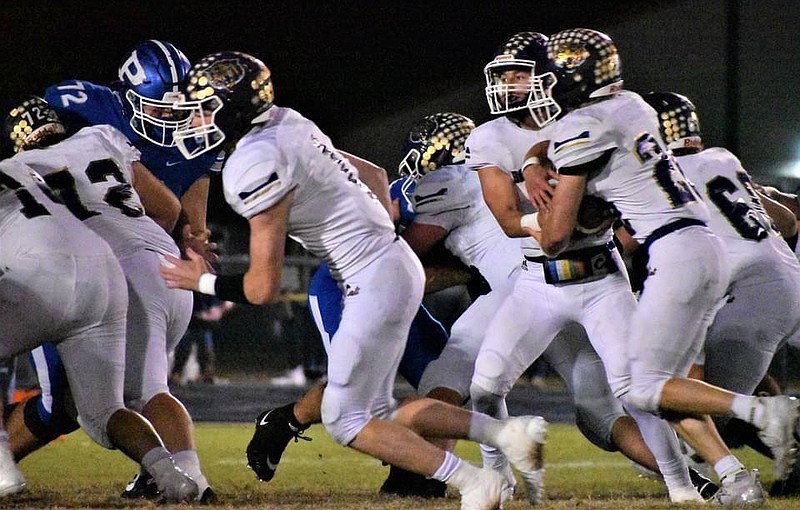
{"points": [[206, 284], [530, 221], [533, 160]]}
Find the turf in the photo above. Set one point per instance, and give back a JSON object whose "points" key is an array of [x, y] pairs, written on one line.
{"points": [[75, 473]]}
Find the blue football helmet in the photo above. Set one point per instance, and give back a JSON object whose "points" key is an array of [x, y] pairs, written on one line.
{"points": [[582, 64], [151, 80], [32, 123], [509, 74], [227, 93], [677, 120]]}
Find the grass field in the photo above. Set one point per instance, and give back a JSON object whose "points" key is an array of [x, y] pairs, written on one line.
{"points": [[76, 473]]}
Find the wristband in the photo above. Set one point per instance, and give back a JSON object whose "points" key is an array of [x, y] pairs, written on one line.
{"points": [[530, 221], [533, 160], [231, 288], [206, 284]]}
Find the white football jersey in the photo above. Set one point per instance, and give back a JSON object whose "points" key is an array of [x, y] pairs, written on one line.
{"points": [[502, 143], [91, 173], [451, 198], [333, 215], [641, 178], [736, 214]]}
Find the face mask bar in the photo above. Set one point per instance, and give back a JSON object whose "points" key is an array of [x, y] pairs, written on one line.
{"points": [[504, 97], [200, 134], [156, 120]]}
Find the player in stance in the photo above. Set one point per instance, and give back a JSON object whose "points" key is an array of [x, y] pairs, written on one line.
{"points": [[747, 331], [60, 272], [138, 105], [605, 141], [92, 171], [286, 177]]}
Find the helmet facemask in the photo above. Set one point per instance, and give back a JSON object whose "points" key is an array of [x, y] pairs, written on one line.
{"points": [[157, 120], [506, 95], [200, 132], [542, 107]]}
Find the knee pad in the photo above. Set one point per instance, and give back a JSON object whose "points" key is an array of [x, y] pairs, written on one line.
{"points": [[95, 428], [597, 431], [47, 426], [485, 401], [645, 393], [343, 419]]}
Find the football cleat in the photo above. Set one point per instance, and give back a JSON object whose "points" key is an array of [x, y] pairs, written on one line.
{"points": [[208, 497], [143, 486], [484, 491], [408, 484], [174, 484], [522, 440], [741, 488], [704, 486], [685, 495], [777, 431], [11, 479], [273, 433]]}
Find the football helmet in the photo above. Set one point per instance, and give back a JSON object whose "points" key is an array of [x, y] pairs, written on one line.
{"points": [[677, 120], [227, 93], [28, 124], [509, 74], [583, 64], [151, 81]]}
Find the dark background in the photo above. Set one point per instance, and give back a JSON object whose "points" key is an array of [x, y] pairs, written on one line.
{"points": [[364, 71]]}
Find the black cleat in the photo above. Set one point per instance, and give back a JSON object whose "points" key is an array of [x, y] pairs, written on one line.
{"points": [[143, 486], [407, 484], [273, 433], [704, 486], [208, 497]]}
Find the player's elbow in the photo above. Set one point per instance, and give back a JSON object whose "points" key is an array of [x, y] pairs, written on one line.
{"points": [[554, 244], [261, 291]]}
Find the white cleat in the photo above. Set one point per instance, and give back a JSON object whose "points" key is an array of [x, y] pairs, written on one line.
{"points": [[484, 492], [522, 440], [780, 419], [176, 486], [741, 489], [11, 479], [685, 495]]}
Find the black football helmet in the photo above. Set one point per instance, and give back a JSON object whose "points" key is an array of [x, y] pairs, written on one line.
{"points": [[677, 120], [506, 91], [435, 141], [151, 80], [583, 64], [226, 93], [33, 123]]}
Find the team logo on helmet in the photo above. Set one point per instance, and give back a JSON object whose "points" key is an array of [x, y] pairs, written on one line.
{"points": [[570, 55], [217, 75]]}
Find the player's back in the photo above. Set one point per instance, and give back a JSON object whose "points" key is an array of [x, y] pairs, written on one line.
{"points": [[640, 178], [736, 214], [333, 214], [451, 198], [91, 172]]}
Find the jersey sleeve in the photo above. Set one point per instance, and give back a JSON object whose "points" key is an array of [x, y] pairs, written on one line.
{"points": [[440, 202], [579, 142], [84, 101], [483, 150], [255, 180]]}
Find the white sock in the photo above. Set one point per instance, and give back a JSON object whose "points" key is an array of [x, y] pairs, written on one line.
{"points": [[484, 429], [463, 476], [727, 465], [189, 462], [746, 408], [449, 466]]}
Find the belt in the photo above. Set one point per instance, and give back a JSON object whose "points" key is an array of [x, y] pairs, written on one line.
{"points": [[593, 262], [670, 228]]}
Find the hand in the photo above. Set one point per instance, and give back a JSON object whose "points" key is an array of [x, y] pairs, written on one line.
{"points": [[183, 274], [200, 245], [538, 184]]}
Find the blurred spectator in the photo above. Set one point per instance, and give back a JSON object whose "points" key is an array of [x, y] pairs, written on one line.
{"points": [[208, 310]]}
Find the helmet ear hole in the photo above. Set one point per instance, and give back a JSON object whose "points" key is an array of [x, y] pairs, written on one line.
{"points": [[433, 142]]}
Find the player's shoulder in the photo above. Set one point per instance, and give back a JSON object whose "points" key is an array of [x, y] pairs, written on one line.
{"points": [[440, 190], [105, 132], [490, 131]]}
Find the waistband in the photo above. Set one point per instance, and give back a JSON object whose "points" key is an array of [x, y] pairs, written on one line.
{"points": [[575, 254], [670, 228]]}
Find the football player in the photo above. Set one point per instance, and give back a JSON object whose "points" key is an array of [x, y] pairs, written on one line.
{"points": [[605, 141], [286, 177], [62, 283], [747, 331], [97, 173], [586, 285]]}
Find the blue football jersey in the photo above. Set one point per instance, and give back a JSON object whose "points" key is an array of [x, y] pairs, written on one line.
{"points": [[94, 104]]}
